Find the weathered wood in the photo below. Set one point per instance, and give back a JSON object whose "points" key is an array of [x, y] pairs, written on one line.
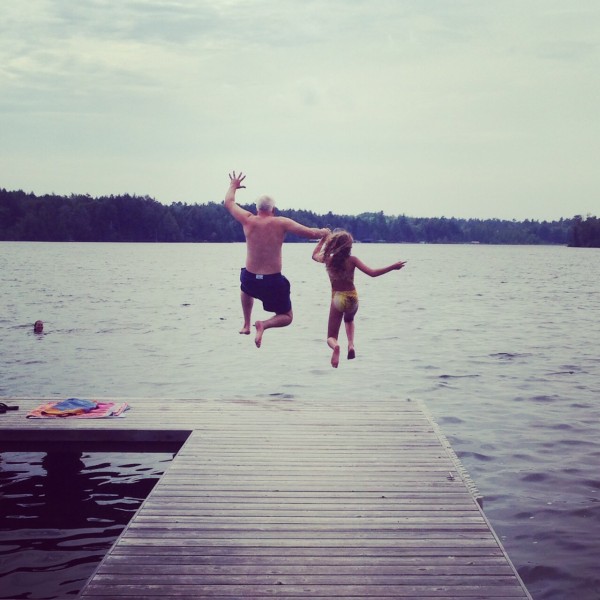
{"points": [[276, 590], [292, 499], [397, 564], [325, 551]]}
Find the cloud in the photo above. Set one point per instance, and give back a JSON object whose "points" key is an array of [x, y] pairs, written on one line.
{"points": [[458, 106]]}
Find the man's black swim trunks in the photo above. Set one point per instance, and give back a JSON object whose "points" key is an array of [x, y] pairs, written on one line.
{"points": [[273, 290]]}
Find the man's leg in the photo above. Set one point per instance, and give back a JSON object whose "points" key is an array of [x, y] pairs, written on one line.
{"points": [[247, 304], [281, 320]]}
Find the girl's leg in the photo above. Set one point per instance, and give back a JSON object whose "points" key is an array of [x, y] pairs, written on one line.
{"points": [[350, 334], [349, 323], [333, 331]]}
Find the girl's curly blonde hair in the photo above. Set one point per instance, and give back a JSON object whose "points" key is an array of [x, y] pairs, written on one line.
{"points": [[337, 248]]}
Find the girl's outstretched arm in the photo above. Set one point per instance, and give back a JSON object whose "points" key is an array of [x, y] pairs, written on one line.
{"points": [[376, 272]]}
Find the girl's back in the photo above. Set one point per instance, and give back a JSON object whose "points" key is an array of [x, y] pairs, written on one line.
{"points": [[341, 273], [334, 251]]}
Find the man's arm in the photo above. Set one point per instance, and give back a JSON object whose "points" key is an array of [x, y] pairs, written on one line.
{"points": [[236, 211], [312, 233]]}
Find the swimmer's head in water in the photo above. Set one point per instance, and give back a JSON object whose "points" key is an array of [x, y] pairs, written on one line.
{"points": [[38, 326]]}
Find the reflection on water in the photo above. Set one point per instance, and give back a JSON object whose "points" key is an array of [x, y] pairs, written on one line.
{"points": [[61, 512]]}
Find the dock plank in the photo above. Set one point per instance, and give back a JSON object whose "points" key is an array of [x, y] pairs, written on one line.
{"points": [[281, 498]]}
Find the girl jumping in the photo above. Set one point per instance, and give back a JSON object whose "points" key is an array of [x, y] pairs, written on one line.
{"points": [[334, 250]]}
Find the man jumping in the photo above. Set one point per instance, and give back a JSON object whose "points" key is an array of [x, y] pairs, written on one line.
{"points": [[261, 278]]}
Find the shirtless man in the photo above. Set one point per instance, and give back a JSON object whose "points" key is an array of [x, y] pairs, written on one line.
{"points": [[262, 278]]}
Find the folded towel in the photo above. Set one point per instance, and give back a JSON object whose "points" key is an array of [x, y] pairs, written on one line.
{"points": [[78, 408], [71, 407]]}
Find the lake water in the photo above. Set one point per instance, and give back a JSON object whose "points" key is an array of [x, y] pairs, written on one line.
{"points": [[500, 342], [62, 511]]}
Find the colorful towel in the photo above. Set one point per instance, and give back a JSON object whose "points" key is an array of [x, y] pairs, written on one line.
{"points": [[78, 408]]}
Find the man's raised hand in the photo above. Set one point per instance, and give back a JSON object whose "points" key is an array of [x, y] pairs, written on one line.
{"points": [[236, 180]]}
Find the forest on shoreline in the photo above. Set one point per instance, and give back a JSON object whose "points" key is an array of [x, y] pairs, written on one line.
{"points": [[126, 218]]}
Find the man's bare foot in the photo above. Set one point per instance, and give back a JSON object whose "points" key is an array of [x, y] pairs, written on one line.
{"points": [[335, 357], [245, 330], [351, 353], [260, 329]]}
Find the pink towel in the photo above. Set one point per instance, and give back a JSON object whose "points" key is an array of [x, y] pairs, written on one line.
{"points": [[102, 410]]}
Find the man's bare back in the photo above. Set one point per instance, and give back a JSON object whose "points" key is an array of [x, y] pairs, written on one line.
{"points": [[264, 240]]}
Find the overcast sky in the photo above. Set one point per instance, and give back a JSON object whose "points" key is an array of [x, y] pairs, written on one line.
{"points": [[428, 108]]}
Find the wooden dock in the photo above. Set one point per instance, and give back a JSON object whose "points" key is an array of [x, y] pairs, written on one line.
{"points": [[294, 499]]}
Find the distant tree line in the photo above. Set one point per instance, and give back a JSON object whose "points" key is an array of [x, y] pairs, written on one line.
{"points": [[585, 233], [125, 218]]}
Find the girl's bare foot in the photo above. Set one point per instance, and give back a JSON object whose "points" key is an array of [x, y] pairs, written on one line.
{"points": [[351, 353], [260, 329], [245, 330], [335, 357]]}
